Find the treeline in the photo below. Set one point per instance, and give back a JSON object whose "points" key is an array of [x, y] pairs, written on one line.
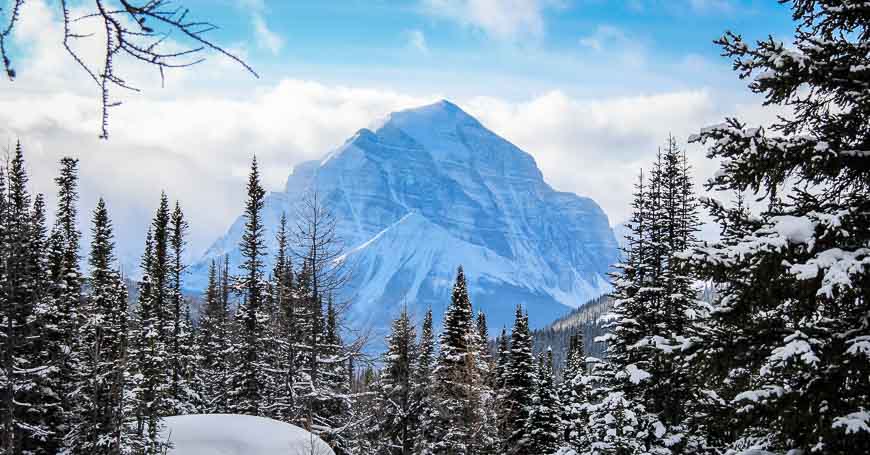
{"points": [[85, 372]]}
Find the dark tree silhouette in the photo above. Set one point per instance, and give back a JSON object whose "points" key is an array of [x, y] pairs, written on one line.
{"points": [[135, 29]]}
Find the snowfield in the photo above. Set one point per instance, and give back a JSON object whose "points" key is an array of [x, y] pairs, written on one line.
{"points": [[228, 434]]}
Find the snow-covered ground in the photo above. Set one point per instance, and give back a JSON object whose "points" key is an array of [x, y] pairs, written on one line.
{"points": [[228, 434]]}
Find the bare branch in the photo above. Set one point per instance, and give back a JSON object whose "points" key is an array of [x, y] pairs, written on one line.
{"points": [[135, 29]]}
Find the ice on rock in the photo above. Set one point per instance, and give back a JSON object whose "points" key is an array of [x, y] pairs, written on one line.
{"points": [[429, 189]]}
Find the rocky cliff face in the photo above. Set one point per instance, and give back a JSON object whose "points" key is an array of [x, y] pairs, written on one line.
{"points": [[430, 189]]}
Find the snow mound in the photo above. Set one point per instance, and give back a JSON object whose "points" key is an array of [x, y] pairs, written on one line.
{"points": [[229, 434]]}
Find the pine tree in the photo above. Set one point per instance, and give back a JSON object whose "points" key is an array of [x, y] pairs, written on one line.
{"points": [[184, 393], [574, 394], [333, 400], [485, 430], [519, 384], [150, 381], [396, 413], [617, 424], [422, 388], [488, 369], [63, 317], [792, 285], [454, 374], [31, 421], [246, 379], [99, 393], [502, 359], [213, 344], [544, 425], [284, 332], [655, 303]]}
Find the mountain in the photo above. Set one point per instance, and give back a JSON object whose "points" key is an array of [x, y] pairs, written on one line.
{"points": [[432, 188]]}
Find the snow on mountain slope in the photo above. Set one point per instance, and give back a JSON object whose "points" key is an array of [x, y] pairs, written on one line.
{"points": [[229, 434], [431, 188]]}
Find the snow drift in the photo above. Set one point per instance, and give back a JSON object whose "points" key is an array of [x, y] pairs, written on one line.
{"points": [[228, 434]]}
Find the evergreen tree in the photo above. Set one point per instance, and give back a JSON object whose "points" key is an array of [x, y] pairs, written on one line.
{"points": [[502, 360], [544, 425], [285, 332], [63, 315], [617, 424], [655, 305], [333, 400], [396, 413], [519, 384], [184, 387], [574, 394], [150, 380], [792, 285], [422, 388], [455, 376], [213, 341], [247, 376], [99, 393], [31, 421]]}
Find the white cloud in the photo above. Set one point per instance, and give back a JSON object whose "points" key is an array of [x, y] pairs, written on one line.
{"points": [[417, 41], [196, 143], [263, 35], [509, 20], [266, 38]]}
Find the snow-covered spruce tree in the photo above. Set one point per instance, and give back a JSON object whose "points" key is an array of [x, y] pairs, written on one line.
{"points": [[519, 385], [213, 343], [99, 392], [574, 394], [485, 432], [456, 377], [655, 303], [26, 406], [309, 322], [333, 394], [284, 333], [246, 378], [502, 363], [617, 424], [62, 315], [394, 405], [488, 368], [185, 383], [150, 379], [718, 363], [422, 386], [799, 282], [544, 425], [502, 359]]}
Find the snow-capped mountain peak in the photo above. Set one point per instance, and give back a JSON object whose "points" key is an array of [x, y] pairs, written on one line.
{"points": [[431, 188]]}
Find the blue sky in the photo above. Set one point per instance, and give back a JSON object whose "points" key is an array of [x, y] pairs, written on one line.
{"points": [[590, 88], [583, 47]]}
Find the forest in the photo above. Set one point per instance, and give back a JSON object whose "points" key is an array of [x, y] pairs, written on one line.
{"points": [[758, 343]]}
